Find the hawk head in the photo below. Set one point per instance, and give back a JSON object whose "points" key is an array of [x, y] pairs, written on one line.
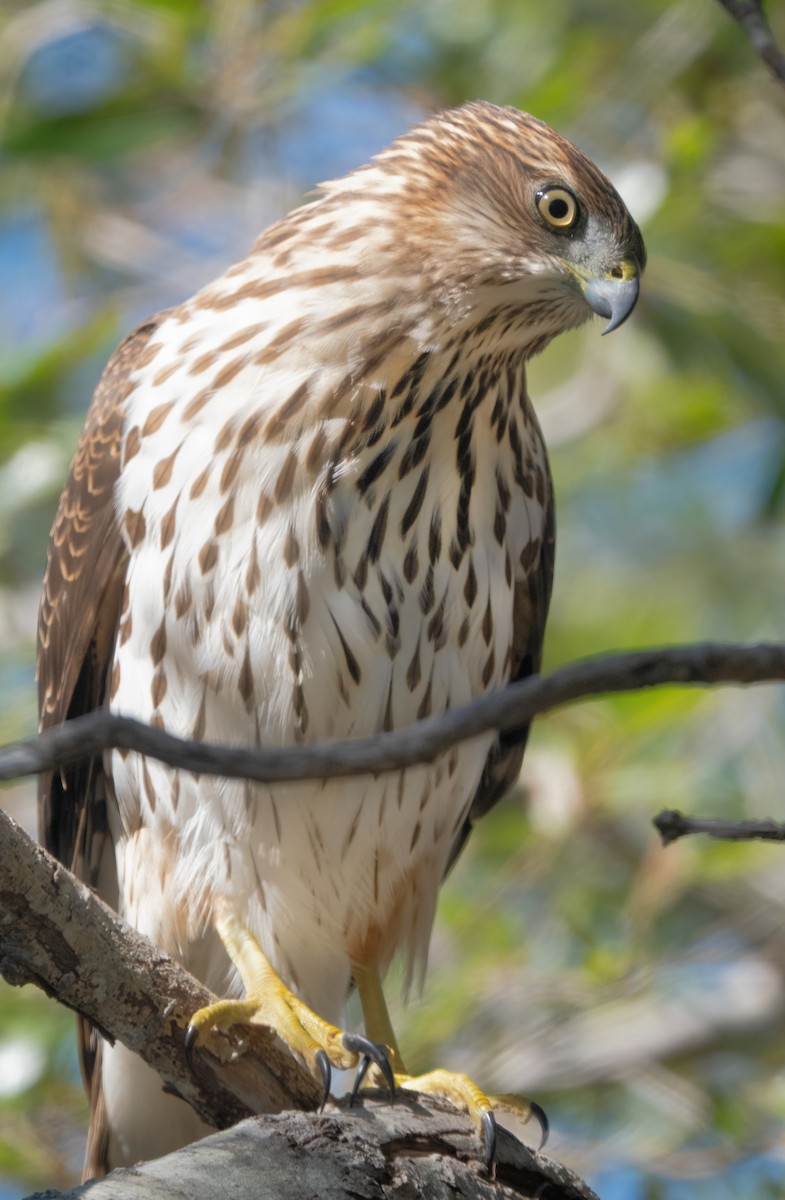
{"points": [[499, 212]]}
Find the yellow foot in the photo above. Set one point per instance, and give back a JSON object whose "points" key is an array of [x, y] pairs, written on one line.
{"points": [[268, 1001], [460, 1090], [463, 1093]]}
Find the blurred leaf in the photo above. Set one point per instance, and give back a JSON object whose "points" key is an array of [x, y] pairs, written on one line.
{"points": [[774, 503], [29, 385], [118, 129]]}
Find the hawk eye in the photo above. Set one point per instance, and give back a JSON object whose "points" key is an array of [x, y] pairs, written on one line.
{"points": [[558, 207]]}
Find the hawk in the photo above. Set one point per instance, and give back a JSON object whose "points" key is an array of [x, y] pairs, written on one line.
{"points": [[314, 502]]}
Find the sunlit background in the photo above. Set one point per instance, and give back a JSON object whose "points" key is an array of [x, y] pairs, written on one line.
{"points": [[637, 993]]}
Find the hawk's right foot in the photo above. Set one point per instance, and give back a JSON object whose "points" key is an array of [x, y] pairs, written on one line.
{"points": [[268, 1001]]}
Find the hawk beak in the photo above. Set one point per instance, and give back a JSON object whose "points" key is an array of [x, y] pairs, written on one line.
{"points": [[614, 298]]}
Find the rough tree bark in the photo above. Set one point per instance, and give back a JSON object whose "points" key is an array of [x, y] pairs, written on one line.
{"points": [[55, 933], [373, 1152]]}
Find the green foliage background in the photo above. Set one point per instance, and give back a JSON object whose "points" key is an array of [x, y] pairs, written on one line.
{"points": [[638, 993]]}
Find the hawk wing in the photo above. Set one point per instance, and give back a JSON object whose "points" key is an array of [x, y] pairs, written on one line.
{"points": [[77, 622], [530, 611], [80, 608]]}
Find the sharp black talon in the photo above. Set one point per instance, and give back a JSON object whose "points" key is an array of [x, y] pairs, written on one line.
{"points": [[189, 1043], [541, 1117], [374, 1051], [362, 1070], [489, 1138], [326, 1073]]}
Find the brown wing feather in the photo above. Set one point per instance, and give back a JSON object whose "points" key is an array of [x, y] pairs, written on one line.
{"points": [[530, 611], [77, 622], [81, 599]]}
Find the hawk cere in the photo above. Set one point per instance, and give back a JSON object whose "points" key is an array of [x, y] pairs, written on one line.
{"points": [[314, 502]]}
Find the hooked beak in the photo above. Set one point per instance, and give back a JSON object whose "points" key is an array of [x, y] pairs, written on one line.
{"points": [[614, 298]]}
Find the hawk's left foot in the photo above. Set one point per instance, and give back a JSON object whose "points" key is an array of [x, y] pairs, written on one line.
{"points": [[459, 1089], [268, 1001], [464, 1094]]}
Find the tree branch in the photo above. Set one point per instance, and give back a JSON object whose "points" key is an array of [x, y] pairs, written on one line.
{"points": [[55, 933], [372, 1152], [702, 663], [673, 825], [750, 15]]}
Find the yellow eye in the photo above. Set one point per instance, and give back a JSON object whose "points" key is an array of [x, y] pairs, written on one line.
{"points": [[558, 207]]}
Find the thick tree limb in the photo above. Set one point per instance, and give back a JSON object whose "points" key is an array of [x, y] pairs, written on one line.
{"points": [[673, 825], [56, 933], [373, 1152], [703, 663], [750, 15]]}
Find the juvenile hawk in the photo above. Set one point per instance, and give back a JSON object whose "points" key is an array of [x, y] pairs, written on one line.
{"points": [[314, 502]]}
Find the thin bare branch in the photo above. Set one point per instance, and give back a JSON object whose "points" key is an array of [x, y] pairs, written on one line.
{"points": [[673, 825], [701, 664], [750, 15]]}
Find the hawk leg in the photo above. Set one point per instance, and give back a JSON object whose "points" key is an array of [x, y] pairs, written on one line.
{"points": [[460, 1090], [268, 1001]]}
